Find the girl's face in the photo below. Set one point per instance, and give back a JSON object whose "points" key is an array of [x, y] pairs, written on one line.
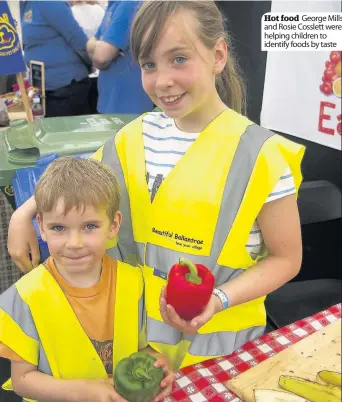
{"points": [[179, 76]]}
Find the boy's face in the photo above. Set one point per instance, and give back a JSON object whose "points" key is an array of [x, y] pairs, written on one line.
{"points": [[77, 240]]}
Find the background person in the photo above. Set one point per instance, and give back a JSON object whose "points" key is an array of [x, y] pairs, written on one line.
{"points": [[119, 82], [89, 15], [50, 34]]}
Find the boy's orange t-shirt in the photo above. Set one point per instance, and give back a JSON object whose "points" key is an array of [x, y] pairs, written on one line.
{"points": [[93, 307]]}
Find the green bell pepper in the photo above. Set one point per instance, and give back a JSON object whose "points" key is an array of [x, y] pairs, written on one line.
{"points": [[136, 379]]}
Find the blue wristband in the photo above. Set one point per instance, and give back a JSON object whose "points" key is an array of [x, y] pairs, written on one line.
{"points": [[222, 296]]}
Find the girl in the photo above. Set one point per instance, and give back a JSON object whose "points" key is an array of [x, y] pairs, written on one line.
{"points": [[200, 181]]}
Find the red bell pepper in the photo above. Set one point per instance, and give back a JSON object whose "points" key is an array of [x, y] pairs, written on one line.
{"points": [[189, 288]]}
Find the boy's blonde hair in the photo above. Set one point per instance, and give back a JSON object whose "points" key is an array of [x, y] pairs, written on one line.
{"points": [[151, 19], [79, 182]]}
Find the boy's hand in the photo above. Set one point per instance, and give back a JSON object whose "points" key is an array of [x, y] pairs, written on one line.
{"points": [[171, 318], [168, 379], [100, 391]]}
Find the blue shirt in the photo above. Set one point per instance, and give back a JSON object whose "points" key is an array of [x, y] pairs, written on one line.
{"points": [[119, 85], [52, 35]]}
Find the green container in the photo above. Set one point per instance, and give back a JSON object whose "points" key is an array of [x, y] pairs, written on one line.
{"points": [[22, 143]]}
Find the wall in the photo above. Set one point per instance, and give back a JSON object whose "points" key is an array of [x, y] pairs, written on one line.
{"points": [[244, 24]]}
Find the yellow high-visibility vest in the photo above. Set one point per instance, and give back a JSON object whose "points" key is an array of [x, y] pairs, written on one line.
{"points": [[204, 211], [38, 323]]}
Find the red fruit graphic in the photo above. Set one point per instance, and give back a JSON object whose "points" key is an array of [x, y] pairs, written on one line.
{"points": [[335, 57], [329, 73], [326, 88], [332, 74], [325, 79]]}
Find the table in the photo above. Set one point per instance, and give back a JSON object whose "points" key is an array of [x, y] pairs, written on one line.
{"points": [[16, 116], [203, 382]]}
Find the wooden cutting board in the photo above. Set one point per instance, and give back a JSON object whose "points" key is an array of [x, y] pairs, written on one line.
{"points": [[319, 351]]}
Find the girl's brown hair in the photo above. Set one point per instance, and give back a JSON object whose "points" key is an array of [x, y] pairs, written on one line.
{"points": [[151, 19]]}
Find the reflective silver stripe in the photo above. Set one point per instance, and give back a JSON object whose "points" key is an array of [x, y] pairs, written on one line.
{"points": [[43, 364], [126, 249], [114, 252], [223, 342], [163, 259], [12, 303], [211, 344], [160, 332], [240, 172], [141, 312], [141, 252]]}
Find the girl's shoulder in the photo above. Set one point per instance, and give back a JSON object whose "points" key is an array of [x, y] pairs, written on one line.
{"points": [[157, 118]]}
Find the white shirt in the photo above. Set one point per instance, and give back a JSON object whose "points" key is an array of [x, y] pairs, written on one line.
{"points": [[164, 146], [89, 18]]}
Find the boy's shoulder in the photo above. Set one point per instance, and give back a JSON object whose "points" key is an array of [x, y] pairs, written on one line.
{"points": [[25, 286]]}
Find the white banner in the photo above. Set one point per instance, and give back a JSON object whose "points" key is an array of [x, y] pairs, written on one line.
{"points": [[302, 91]]}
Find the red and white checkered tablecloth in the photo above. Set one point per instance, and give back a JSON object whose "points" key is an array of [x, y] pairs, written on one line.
{"points": [[204, 382]]}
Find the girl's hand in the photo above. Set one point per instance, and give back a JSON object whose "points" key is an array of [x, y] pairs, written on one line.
{"points": [[22, 241], [167, 381], [171, 318]]}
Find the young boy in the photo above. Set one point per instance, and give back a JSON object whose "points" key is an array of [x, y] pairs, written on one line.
{"points": [[67, 323]]}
